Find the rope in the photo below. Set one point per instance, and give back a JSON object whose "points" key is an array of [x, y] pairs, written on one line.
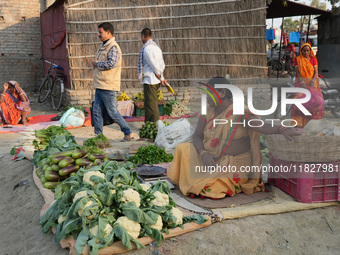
{"points": [[55, 44]]}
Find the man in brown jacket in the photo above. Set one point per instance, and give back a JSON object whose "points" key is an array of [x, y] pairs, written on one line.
{"points": [[106, 81]]}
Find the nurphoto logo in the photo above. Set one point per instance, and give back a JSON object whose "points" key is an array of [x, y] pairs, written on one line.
{"points": [[238, 104]]}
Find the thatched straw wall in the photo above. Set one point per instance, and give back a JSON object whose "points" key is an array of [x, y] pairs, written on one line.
{"points": [[199, 39]]}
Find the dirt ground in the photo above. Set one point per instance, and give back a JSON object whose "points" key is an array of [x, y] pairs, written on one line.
{"points": [[304, 232]]}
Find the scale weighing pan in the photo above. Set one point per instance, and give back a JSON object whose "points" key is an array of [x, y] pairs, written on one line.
{"points": [[150, 171]]}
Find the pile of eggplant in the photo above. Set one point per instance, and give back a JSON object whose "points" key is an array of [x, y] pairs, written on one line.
{"points": [[59, 166]]}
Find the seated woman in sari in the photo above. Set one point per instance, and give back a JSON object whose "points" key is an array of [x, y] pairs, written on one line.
{"points": [[231, 147], [306, 68], [14, 104]]}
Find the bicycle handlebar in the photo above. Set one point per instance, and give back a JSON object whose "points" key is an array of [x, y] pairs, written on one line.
{"points": [[54, 65], [50, 62]]}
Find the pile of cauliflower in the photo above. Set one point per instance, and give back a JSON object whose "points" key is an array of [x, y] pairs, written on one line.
{"points": [[111, 204]]}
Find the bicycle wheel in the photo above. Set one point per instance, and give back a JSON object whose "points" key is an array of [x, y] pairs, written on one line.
{"points": [[44, 89], [57, 93], [273, 63]]}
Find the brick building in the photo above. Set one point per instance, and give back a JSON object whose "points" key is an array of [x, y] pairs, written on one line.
{"points": [[20, 42]]}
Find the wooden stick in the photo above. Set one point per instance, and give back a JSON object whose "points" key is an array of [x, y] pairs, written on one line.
{"points": [[171, 29], [183, 38], [165, 17], [85, 2], [147, 6]]}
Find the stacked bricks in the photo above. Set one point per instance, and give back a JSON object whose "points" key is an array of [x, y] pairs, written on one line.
{"points": [[261, 95], [20, 43]]}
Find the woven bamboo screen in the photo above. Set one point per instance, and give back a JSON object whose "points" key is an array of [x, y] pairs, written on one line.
{"points": [[199, 39]]}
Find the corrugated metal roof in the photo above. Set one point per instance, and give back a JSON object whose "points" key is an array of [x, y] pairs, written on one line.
{"points": [[276, 9]]}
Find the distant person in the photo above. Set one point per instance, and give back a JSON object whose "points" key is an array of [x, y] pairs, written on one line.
{"points": [[14, 104], [306, 68], [150, 73], [291, 47], [106, 80]]}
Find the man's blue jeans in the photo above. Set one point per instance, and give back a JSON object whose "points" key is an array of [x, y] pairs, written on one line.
{"points": [[107, 99]]}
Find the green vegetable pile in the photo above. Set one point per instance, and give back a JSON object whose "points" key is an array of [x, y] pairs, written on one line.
{"points": [[95, 144], [45, 135], [148, 130], [58, 141], [151, 155], [106, 203], [168, 106], [59, 166]]}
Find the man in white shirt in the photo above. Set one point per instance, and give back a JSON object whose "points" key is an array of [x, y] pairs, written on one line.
{"points": [[150, 73]]}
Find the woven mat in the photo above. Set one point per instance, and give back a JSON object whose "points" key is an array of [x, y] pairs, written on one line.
{"points": [[239, 199]]}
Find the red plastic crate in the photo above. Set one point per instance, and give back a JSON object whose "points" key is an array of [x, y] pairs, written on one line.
{"points": [[318, 184]]}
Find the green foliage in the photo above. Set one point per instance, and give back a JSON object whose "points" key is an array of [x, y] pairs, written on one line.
{"points": [[55, 139], [199, 219], [96, 144], [150, 155], [150, 130], [46, 134], [168, 106]]}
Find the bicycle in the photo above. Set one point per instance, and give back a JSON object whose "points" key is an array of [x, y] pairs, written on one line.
{"points": [[53, 84]]}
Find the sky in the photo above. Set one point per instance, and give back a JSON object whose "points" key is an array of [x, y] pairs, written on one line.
{"points": [[278, 21]]}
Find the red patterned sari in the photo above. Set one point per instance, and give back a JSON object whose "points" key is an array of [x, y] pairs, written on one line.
{"points": [[12, 107]]}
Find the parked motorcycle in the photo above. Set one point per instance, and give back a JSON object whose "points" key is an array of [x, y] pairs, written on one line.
{"points": [[330, 95]]}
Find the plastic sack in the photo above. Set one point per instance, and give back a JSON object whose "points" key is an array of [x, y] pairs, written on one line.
{"points": [[180, 131], [315, 103], [72, 118]]}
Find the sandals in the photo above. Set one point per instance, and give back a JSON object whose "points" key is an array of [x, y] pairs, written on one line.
{"points": [[127, 138]]}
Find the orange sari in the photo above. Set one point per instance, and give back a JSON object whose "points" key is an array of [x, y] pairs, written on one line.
{"points": [[12, 107], [306, 70]]}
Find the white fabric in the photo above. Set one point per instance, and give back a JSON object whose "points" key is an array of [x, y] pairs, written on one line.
{"points": [[153, 64]]}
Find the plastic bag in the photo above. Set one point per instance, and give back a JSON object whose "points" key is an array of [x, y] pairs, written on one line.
{"points": [[72, 118], [180, 131]]}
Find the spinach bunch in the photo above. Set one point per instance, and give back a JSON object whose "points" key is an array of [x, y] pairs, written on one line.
{"points": [[151, 155]]}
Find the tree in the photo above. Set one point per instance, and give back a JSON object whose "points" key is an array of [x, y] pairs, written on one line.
{"points": [[317, 4], [333, 3], [291, 25]]}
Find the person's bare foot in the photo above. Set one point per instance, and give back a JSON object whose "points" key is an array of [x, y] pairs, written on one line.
{"points": [[25, 121]]}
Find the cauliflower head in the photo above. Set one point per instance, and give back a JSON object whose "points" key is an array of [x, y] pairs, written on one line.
{"points": [[161, 199], [80, 212], [108, 228], [159, 224], [87, 176], [130, 195], [132, 227], [80, 194], [178, 214], [145, 187], [114, 181]]}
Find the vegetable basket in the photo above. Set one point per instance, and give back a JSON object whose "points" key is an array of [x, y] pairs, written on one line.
{"points": [[305, 148]]}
